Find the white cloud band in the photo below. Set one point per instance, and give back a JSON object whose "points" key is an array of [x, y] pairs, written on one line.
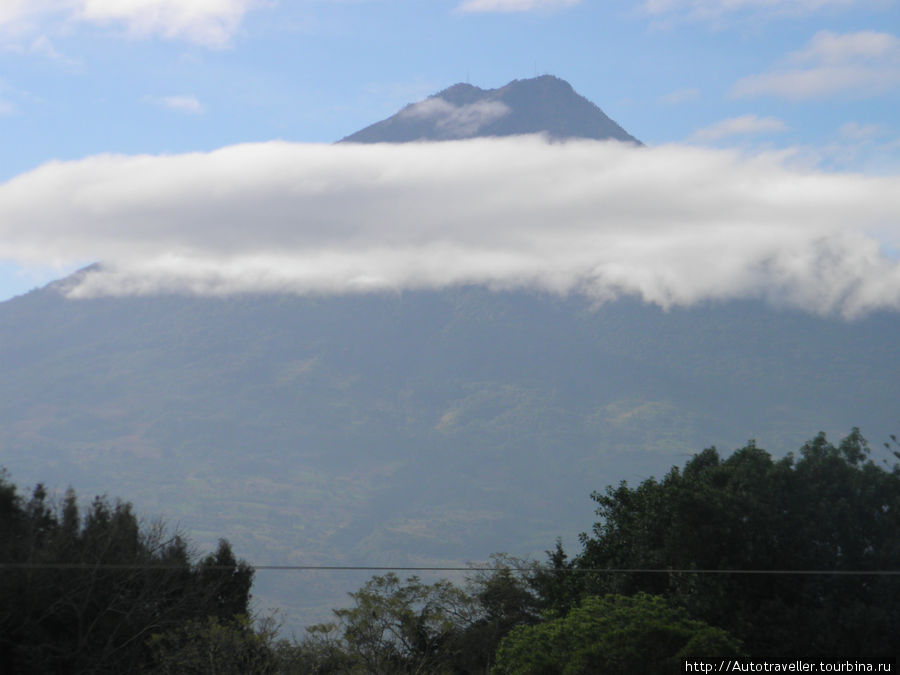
{"points": [[673, 224]]}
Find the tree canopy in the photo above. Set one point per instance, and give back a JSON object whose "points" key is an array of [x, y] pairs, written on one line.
{"points": [[87, 593], [799, 546], [613, 634]]}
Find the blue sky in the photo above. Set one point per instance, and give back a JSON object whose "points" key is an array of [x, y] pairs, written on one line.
{"points": [[79, 78]]}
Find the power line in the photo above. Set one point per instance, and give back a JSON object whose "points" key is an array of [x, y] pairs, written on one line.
{"points": [[420, 568]]}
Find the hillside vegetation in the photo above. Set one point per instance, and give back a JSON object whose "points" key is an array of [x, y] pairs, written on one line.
{"points": [[742, 557]]}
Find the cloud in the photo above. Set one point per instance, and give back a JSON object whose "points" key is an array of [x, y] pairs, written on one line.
{"points": [[871, 148], [855, 131], [43, 46], [866, 63], [674, 225], [6, 108], [456, 121], [715, 9], [832, 48], [514, 5], [680, 96], [739, 126], [207, 22], [187, 103]]}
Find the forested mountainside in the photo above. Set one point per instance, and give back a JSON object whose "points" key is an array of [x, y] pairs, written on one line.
{"points": [[426, 426]]}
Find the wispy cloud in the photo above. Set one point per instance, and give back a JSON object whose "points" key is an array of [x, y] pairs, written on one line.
{"points": [[870, 148], [207, 22], [38, 45], [739, 126], [184, 103], [455, 121], [43, 46], [865, 63], [717, 9], [833, 48], [6, 108], [672, 224], [873, 148], [680, 96], [514, 5], [855, 131]]}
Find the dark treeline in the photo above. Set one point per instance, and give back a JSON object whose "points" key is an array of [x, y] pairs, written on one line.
{"points": [[792, 522], [99, 593]]}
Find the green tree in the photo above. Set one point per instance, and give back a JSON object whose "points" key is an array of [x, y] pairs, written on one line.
{"points": [[212, 646], [406, 627], [558, 589], [321, 651], [85, 594], [614, 634], [764, 524], [504, 597]]}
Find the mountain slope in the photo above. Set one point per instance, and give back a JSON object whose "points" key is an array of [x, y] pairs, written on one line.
{"points": [[543, 104], [428, 427]]}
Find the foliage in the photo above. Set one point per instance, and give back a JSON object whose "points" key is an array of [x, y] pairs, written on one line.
{"points": [[85, 594], [214, 646], [404, 627], [321, 651], [557, 587], [505, 597], [408, 626], [614, 634], [833, 510]]}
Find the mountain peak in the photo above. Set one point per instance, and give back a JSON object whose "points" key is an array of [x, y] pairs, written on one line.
{"points": [[547, 82], [460, 93], [544, 104]]}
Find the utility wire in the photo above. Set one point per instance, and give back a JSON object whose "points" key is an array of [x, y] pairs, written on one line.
{"points": [[378, 568]]}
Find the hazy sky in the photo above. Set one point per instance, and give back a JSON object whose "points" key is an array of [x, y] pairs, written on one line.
{"points": [[142, 99]]}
